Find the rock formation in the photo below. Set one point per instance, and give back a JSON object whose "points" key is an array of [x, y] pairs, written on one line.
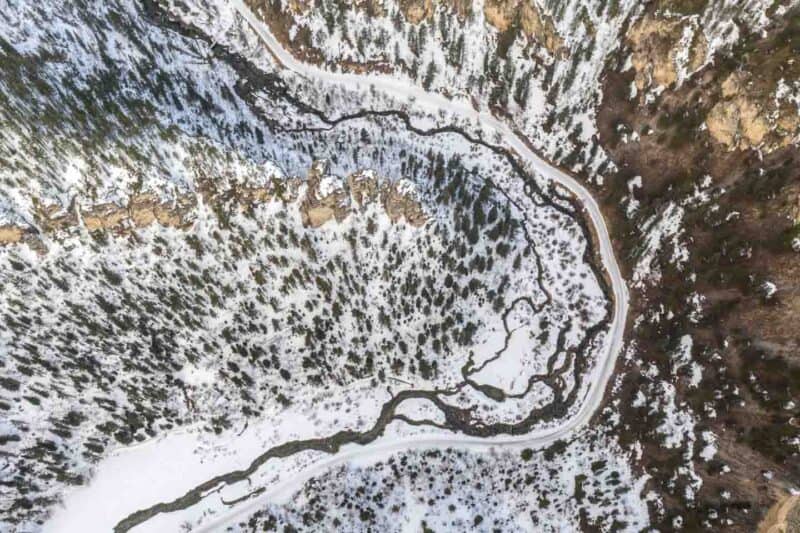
{"points": [[660, 49], [327, 197], [747, 116], [503, 14]]}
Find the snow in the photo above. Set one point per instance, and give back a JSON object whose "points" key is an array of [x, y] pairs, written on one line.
{"points": [[154, 266], [418, 409], [329, 185], [660, 230], [407, 188], [709, 446], [677, 427], [633, 204], [769, 289], [682, 358], [163, 468], [449, 488]]}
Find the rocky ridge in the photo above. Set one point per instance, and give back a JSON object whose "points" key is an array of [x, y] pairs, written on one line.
{"points": [[323, 197]]}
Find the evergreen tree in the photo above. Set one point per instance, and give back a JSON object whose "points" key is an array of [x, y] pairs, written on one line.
{"points": [[456, 53], [430, 75], [522, 89]]}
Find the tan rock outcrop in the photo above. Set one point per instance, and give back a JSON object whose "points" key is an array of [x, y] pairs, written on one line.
{"points": [[541, 28], [503, 14], [326, 197], [656, 50], [332, 198], [298, 7], [737, 123], [400, 201], [141, 210], [177, 214], [54, 217], [106, 216], [10, 234], [364, 187], [500, 13], [415, 11], [745, 117]]}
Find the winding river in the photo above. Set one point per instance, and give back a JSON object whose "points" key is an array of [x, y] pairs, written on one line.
{"points": [[347, 445]]}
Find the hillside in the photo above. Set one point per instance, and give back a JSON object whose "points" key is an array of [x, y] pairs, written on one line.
{"points": [[400, 264]]}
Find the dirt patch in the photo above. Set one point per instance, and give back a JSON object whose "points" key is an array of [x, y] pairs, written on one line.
{"points": [[750, 116], [783, 517]]}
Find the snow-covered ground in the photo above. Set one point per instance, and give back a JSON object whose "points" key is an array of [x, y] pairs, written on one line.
{"points": [[275, 476], [165, 346]]}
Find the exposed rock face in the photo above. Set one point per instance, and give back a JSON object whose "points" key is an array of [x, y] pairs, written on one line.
{"points": [[327, 197], [178, 214], [503, 14], [400, 201], [536, 26], [104, 216], [415, 11], [52, 218], [364, 187], [299, 6], [746, 117], [141, 210], [658, 54], [10, 234], [737, 123], [330, 197], [500, 13]]}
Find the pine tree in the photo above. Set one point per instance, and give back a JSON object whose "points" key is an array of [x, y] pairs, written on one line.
{"points": [[415, 68], [456, 53], [443, 30], [522, 89], [430, 75]]}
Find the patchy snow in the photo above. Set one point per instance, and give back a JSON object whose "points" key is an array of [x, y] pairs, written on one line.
{"points": [[662, 231], [632, 203], [768, 289], [709, 446], [682, 358], [329, 185], [677, 426]]}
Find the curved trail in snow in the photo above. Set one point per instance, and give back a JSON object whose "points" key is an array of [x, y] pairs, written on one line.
{"points": [[597, 378]]}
